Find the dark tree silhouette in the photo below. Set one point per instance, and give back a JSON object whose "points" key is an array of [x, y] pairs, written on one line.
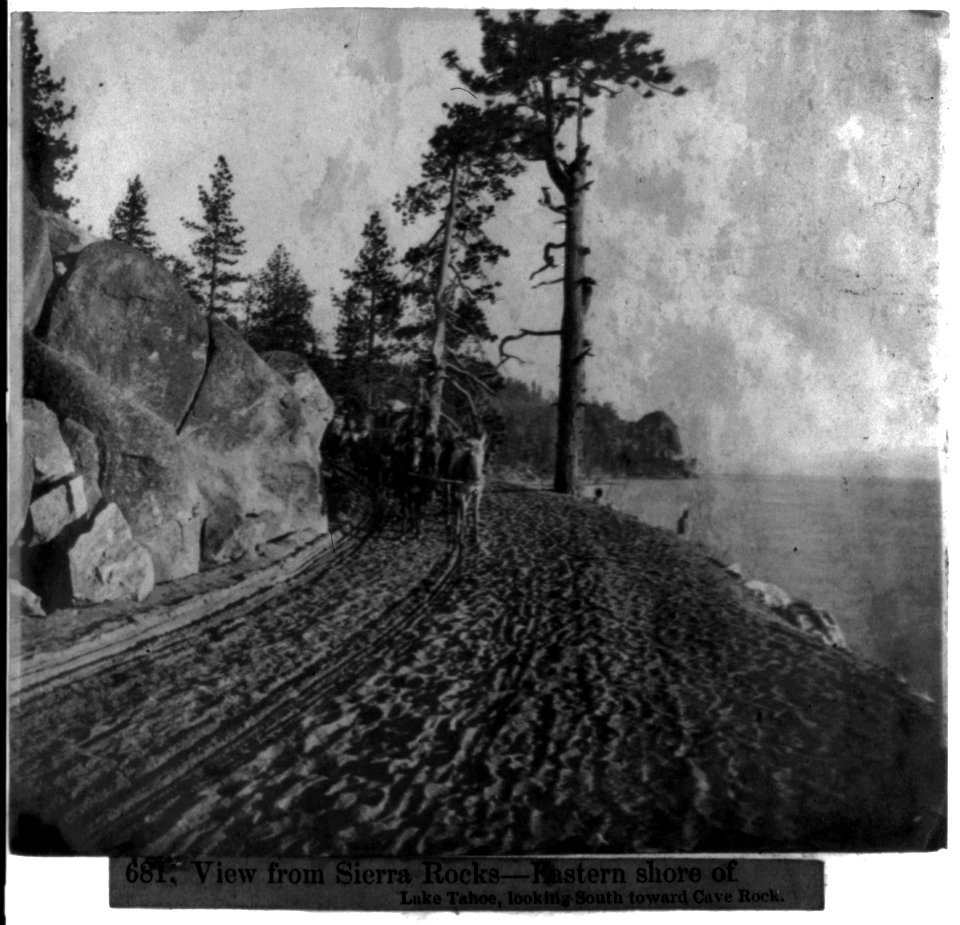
{"points": [[612, 447], [220, 245], [279, 304], [553, 72], [658, 436], [465, 175], [47, 154], [129, 222], [370, 310]]}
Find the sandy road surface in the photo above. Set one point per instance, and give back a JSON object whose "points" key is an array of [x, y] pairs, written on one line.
{"points": [[580, 683]]}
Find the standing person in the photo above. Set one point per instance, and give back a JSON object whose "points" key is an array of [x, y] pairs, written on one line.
{"points": [[682, 523], [349, 435], [333, 437]]}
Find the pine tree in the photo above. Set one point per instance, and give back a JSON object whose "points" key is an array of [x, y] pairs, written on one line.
{"points": [[370, 310], [348, 345], [129, 222], [220, 245], [47, 154], [465, 175], [551, 73], [279, 306]]}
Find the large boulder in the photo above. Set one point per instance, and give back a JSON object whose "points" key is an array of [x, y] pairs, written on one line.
{"points": [[804, 616], [107, 564], [53, 511], [769, 594], [315, 404], [127, 319], [46, 459], [86, 458], [142, 466], [67, 239], [255, 456], [139, 402], [37, 261], [799, 615], [24, 600]]}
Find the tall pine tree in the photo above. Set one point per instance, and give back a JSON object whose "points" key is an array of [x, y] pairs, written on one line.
{"points": [[279, 304], [552, 73], [464, 176], [47, 154], [370, 310], [220, 245], [129, 222]]}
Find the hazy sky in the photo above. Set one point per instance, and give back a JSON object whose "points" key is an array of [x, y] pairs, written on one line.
{"points": [[765, 247]]}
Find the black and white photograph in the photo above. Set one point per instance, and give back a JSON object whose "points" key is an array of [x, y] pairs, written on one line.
{"points": [[456, 433]]}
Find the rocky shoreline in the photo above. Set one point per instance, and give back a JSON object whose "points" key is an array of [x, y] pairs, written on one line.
{"points": [[579, 683]]}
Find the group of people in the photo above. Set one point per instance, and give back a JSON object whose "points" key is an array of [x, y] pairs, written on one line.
{"points": [[404, 468]]}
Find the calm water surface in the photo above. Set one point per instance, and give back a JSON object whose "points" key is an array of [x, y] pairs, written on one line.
{"points": [[868, 550]]}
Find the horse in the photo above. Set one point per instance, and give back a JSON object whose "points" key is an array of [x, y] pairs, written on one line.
{"points": [[405, 481], [371, 456], [335, 438], [448, 448], [414, 478], [427, 471], [461, 470]]}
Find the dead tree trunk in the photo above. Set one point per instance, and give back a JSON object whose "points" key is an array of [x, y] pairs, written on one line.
{"points": [[438, 350], [566, 478]]}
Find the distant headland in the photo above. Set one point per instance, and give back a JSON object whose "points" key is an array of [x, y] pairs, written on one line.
{"points": [[649, 447]]}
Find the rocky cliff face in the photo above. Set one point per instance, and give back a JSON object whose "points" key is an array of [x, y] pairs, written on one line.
{"points": [[154, 441], [252, 443]]}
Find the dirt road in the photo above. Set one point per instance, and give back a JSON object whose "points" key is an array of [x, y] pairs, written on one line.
{"points": [[580, 683]]}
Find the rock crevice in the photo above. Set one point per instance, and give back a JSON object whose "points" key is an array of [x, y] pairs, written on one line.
{"points": [[203, 378]]}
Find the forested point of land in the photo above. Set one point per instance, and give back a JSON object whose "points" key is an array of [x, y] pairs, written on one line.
{"points": [[526, 438]]}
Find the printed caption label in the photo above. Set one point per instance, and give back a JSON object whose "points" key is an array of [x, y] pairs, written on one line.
{"points": [[467, 884]]}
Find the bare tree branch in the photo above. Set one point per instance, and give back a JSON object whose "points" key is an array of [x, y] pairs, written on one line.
{"points": [[434, 236], [547, 202], [456, 327], [457, 368], [672, 91], [463, 285], [580, 357], [524, 332], [451, 422], [527, 332], [548, 282], [549, 263], [475, 418], [608, 90], [504, 357]]}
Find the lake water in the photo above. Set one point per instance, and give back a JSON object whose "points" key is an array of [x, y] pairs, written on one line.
{"points": [[868, 550]]}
